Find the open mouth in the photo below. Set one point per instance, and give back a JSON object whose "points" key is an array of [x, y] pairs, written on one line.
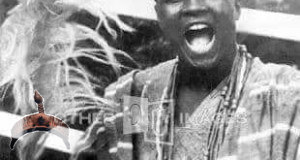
{"points": [[200, 37]]}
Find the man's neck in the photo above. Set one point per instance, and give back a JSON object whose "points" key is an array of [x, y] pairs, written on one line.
{"points": [[209, 79]]}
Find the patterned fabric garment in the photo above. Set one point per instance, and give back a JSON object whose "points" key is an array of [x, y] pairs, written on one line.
{"points": [[190, 141], [263, 124]]}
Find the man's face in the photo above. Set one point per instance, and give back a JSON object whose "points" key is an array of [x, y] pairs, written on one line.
{"points": [[204, 30]]}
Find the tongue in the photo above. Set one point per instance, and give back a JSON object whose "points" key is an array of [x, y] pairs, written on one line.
{"points": [[199, 38]]}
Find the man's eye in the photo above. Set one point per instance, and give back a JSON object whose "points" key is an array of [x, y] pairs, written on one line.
{"points": [[172, 1]]}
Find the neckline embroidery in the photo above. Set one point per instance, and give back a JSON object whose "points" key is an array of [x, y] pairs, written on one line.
{"points": [[231, 94]]}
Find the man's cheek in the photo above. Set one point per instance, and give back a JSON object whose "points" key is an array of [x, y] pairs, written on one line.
{"points": [[218, 5], [171, 30], [173, 9], [222, 7]]}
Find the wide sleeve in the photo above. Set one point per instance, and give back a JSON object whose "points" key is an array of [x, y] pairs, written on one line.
{"points": [[271, 103]]}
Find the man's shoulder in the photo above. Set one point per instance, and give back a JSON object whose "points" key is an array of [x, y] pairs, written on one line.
{"points": [[138, 78], [157, 72], [280, 74]]}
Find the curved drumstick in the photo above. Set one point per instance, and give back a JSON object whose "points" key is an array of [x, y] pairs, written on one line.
{"points": [[40, 122]]}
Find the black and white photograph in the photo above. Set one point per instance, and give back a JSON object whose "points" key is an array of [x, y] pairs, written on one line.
{"points": [[149, 80]]}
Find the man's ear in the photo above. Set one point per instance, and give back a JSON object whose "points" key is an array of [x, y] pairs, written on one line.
{"points": [[158, 12], [237, 9]]}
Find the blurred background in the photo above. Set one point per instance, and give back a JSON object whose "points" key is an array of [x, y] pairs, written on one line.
{"points": [[148, 47]]}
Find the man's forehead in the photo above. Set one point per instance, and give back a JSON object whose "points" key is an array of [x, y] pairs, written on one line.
{"points": [[201, 0]]}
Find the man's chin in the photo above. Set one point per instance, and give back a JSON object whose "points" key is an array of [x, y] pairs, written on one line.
{"points": [[202, 62]]}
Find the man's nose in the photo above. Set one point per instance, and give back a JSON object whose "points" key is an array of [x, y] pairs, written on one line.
{"points": [[193, 7]]}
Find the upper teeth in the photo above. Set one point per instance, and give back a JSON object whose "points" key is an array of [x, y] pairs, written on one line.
{"points": [[198, 27]]}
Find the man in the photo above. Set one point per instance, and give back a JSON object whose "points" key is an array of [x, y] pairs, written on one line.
{"points": [[226, 104]]}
